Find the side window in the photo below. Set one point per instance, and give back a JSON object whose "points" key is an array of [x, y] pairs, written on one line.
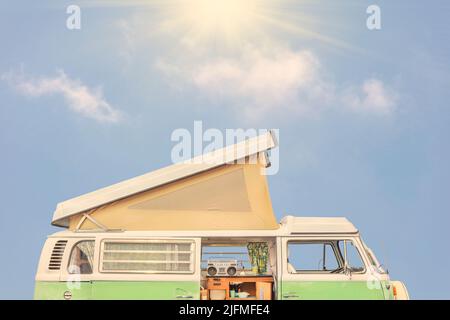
{"points": [[354, 260], [82, 258], [311, 257], [152, 256]]}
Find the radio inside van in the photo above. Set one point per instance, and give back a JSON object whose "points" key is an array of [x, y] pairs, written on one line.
{"points": [[222, 267]]}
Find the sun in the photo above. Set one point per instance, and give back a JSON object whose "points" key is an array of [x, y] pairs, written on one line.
{"points": [[221, 14], [221, 18]]}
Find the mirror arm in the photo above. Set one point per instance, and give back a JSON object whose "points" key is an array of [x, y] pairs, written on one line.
{"points": [[347, 270]]}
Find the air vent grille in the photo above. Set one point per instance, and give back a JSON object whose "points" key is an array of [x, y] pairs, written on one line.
{"points": [[57, 255]]}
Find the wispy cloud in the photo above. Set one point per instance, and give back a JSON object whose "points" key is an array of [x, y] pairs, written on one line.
{"points": [[371, 97], [262, 83], [81, 99]]}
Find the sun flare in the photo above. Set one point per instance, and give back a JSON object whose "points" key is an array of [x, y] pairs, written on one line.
{"points": [[234, 23]]}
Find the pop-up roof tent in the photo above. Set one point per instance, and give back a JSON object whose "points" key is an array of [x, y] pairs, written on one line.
{"points": [[222, 190]]}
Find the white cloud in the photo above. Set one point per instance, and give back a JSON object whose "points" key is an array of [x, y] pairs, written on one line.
{"points": [[80, 98], [277, 82], [259, 83], [371, 97]]}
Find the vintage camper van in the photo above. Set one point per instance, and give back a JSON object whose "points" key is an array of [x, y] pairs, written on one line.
{"points": [[204, 230]]}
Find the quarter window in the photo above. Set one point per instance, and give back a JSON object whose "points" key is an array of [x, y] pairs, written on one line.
{"points": [[354, 260], [162, 256], [82, 258]]}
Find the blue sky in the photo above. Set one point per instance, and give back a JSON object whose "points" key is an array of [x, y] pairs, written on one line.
{"points": [[363, 115]]}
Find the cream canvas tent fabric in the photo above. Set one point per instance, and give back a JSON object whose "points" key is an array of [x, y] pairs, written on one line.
{"points": [[222, 196], [229, 197]]}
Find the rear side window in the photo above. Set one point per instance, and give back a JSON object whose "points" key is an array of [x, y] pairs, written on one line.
{"points": [[151, 256], [82, 257]]}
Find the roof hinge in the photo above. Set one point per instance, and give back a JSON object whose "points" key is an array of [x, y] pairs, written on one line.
{"points": [[87, 216]]}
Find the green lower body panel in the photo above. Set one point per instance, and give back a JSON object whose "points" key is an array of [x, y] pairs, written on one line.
{"points": [[160, 290], [97, 290], [173, 290], [323, 290], [45, 290]]}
